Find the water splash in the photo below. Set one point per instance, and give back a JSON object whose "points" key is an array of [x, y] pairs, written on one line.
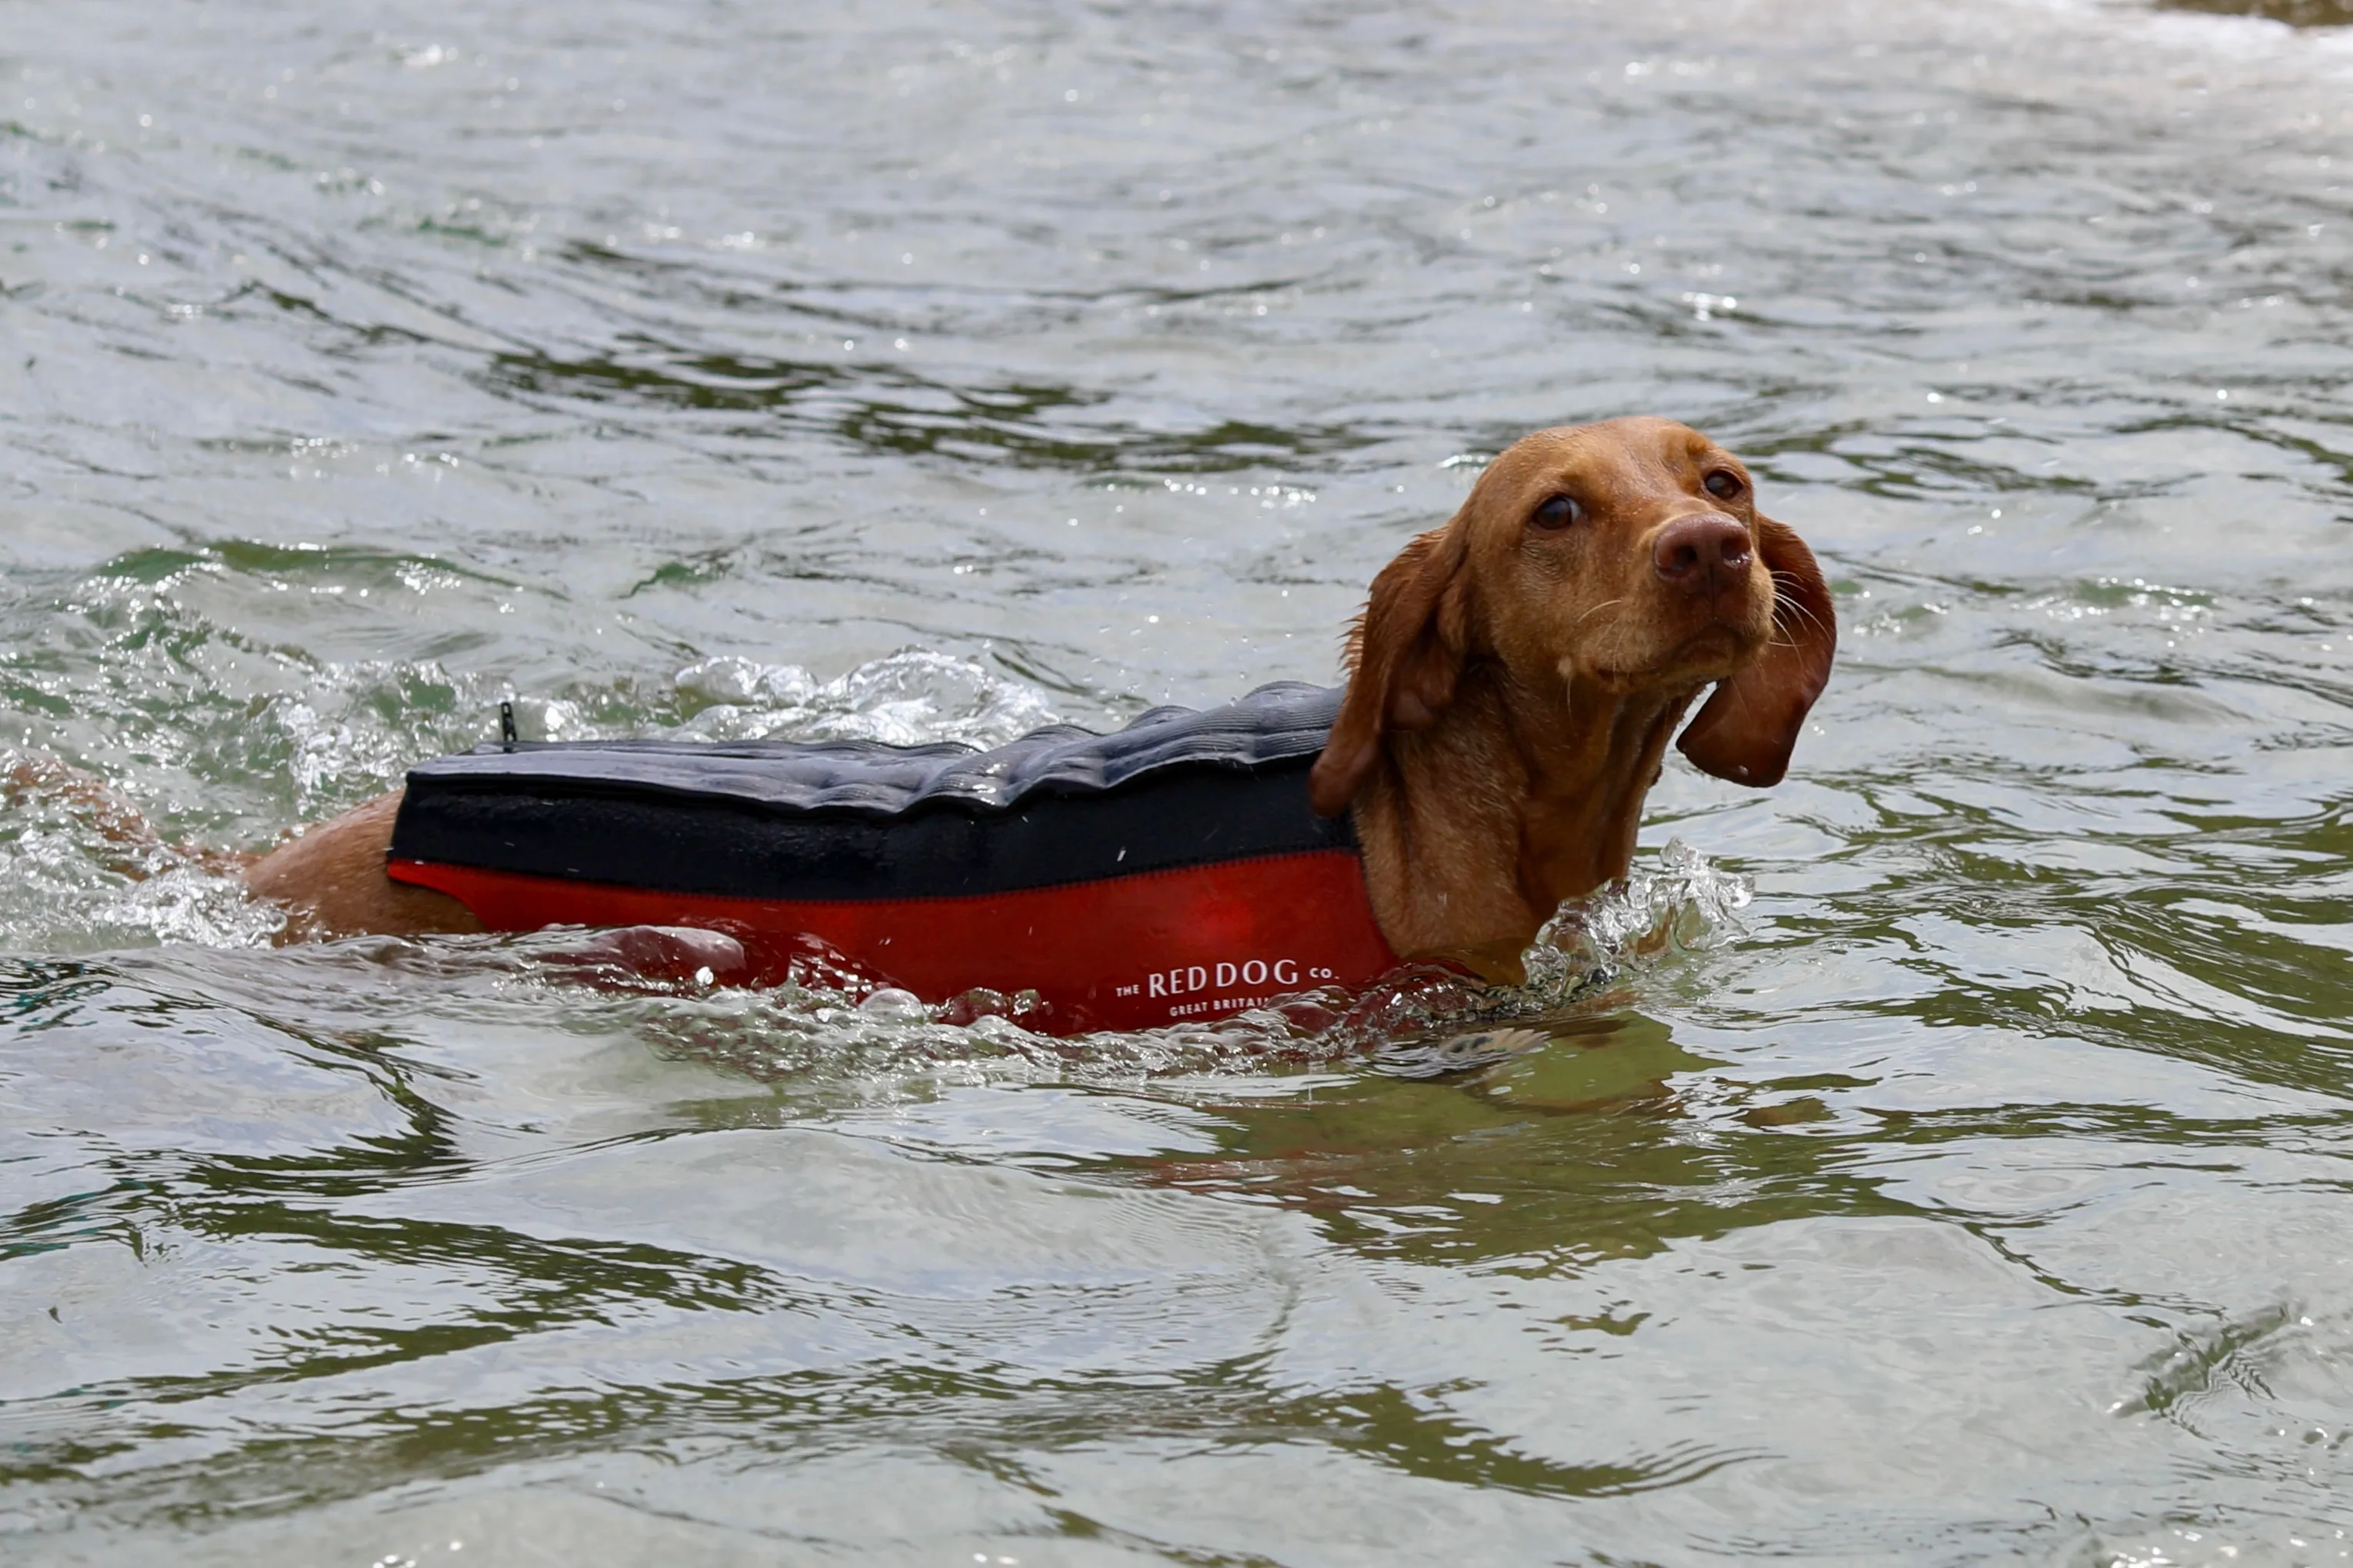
{"points": [[1652, 915], [76, 858], [909, 697], [184, 903]]}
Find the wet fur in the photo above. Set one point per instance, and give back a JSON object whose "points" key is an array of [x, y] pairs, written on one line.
{"points": [[332, 882]]}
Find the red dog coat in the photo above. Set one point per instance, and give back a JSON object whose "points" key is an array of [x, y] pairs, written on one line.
{"points": [[1170, 871]]}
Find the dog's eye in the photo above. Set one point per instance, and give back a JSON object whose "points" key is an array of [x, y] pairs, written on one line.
{"points": [[1722, 484], [1556, 512]]}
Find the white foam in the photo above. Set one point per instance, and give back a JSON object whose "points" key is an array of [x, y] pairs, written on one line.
{"points": [[909, 697]]}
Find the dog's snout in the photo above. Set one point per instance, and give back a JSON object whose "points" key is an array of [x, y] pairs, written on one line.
{"points": [[1701, 553]]}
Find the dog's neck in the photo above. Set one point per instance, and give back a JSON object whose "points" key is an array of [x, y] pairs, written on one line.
{"points": [[1519, 796]]}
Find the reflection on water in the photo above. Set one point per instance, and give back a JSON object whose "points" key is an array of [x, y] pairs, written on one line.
{"points": [[894, 412], [1940, 1158]]}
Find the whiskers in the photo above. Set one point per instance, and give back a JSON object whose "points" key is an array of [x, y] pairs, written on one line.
{"points": [[1792, 614], [1596, 609]]}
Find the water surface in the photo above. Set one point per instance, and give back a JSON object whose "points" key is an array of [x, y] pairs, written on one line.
{"points": [[1978, 1192]]}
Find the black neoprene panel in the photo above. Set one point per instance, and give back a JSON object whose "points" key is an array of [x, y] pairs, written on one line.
{"points": [[856, 820]]}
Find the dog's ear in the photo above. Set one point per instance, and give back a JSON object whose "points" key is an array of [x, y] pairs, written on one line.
{"points": [[1748, 728], [1405, 657]]}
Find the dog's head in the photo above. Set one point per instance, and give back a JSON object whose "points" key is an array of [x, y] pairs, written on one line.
{"points": [[1627, 556]]}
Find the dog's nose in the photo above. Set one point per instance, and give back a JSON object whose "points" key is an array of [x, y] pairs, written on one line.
{"points": [[1701, 553]]}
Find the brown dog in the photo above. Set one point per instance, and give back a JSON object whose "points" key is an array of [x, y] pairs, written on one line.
{"points": [[1517, 673], [1513, 682]]}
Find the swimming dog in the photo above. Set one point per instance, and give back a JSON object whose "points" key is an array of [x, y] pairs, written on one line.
{"points": [[1512, 684]]}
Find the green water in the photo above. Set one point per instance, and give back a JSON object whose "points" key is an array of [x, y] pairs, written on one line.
{"points": [[1978, 1192]]}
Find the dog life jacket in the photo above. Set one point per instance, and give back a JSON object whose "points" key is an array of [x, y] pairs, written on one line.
{"points": [[1169, 872]]}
